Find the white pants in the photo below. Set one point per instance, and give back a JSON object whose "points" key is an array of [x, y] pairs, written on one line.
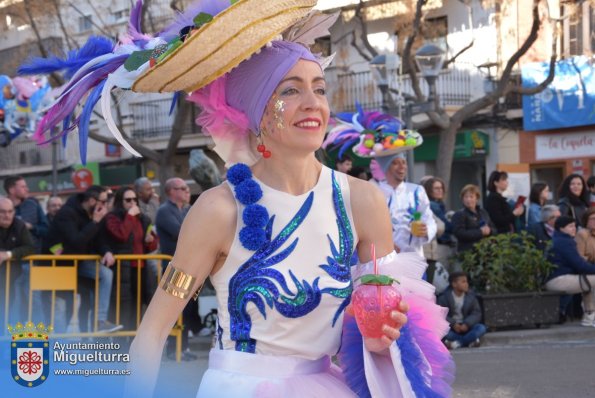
{"points": [[571, 284]]}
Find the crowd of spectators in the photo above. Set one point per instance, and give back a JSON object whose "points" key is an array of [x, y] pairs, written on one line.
{"points": [[563, 229], [100, 222]]}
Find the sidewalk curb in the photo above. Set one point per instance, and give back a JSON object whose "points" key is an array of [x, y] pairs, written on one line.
{"points": [[555, 333]]}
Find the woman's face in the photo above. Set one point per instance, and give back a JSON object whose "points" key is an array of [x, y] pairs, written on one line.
{"points": [[297, 114], [576, 186], [129, 199], [544, 195], [437, 190], [470, 200], [501, 184]]}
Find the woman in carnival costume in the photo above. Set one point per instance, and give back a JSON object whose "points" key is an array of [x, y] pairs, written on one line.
{"points": [[277, 238]]}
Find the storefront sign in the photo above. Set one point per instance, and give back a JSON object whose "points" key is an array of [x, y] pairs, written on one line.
{"points": [[563, 146], [468, 143], [567, 102]]}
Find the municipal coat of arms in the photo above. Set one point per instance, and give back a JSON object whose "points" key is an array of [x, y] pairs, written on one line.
{"points": [[29, 353]]}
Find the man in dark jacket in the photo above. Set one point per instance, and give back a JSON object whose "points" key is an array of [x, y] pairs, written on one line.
{"points": [[27, 209], [171, 213], [15, 243], [464, 313], [75, 230]]}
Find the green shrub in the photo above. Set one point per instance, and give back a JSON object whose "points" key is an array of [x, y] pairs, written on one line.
{"points": [[506, 263]]}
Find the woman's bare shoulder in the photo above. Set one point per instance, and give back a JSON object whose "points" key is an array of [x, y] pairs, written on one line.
{"points": [[217, 203], [364, 193], [209, 226], [371, 217]]}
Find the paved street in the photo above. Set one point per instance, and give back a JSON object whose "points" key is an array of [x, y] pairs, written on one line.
{"points": [[558, 369], [531, 369]]}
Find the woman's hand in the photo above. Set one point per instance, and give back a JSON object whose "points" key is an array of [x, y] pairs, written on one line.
{"points": [[134, 211], [381, 345]]}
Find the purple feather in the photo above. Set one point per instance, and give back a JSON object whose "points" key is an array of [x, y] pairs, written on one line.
{"points": [[440, 360], [85, 119], [174, 102], [83, 74], [351, 358], [134, 24], [346, 145], [416, 368], [211, 7], [93, 48], [67, 103]]}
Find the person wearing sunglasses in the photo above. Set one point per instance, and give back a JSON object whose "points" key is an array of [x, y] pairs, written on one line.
{"points": [[76, 229], [129, 231]]}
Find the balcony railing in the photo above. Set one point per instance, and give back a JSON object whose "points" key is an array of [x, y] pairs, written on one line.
{"points": [[23, 153], [151, 120], [456, 87]]}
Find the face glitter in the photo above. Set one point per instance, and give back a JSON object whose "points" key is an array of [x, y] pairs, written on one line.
{"points": [[279, 109]]}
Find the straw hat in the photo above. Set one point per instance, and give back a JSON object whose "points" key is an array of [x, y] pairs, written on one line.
{"points": [[222, 44]]}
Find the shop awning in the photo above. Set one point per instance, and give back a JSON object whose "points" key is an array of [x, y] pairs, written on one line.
{"points": [[469, 143]]}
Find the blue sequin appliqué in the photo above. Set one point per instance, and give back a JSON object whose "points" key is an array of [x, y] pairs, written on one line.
{"points": [[257, 282], [339, 264]]}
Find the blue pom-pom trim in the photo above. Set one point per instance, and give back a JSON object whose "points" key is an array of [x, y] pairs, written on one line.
{"points": [[248, 192], [238, 173], [255, 216], [252, 238]]}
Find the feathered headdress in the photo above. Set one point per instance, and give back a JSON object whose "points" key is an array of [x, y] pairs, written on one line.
{"points": [[178, 57], [370, 134]]}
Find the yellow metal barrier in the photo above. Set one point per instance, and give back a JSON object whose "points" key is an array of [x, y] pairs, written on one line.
{"points": [[53, 277]]}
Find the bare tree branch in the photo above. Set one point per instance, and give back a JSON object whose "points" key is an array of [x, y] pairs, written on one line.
{"points": [[341, 38], [108, 29], [181, 120], [529, 41], [359, 50], [28, 7], [454, 57], [551, 71], [407, 58], [71, 42], [146, 15], [146, 152], [364, 30]]}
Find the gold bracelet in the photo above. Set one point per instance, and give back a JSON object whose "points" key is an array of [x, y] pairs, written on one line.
{"points": [[177, 282]]}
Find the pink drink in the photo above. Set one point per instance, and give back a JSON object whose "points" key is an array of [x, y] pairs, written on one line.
{"points": [[372, 305], [373, 302]]}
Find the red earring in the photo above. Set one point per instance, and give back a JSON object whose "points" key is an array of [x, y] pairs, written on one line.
{"points": [[263, 151]]}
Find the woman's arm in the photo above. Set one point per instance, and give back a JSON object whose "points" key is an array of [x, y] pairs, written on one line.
{"points": [[118, 228], [211, 224], [372, 224]]}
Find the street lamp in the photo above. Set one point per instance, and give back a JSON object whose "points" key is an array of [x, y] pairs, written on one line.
{"points": [[429, 59], [383, 67]]}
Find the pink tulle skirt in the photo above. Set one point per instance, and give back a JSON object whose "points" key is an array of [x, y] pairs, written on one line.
{"points": [[237, 374]]}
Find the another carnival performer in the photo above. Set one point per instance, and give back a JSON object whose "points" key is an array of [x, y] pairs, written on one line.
{"points": [[412, 220], [277, 238]]}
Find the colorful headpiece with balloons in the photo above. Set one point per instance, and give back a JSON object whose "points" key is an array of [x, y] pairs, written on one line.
{"points": [[370, 134]]}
